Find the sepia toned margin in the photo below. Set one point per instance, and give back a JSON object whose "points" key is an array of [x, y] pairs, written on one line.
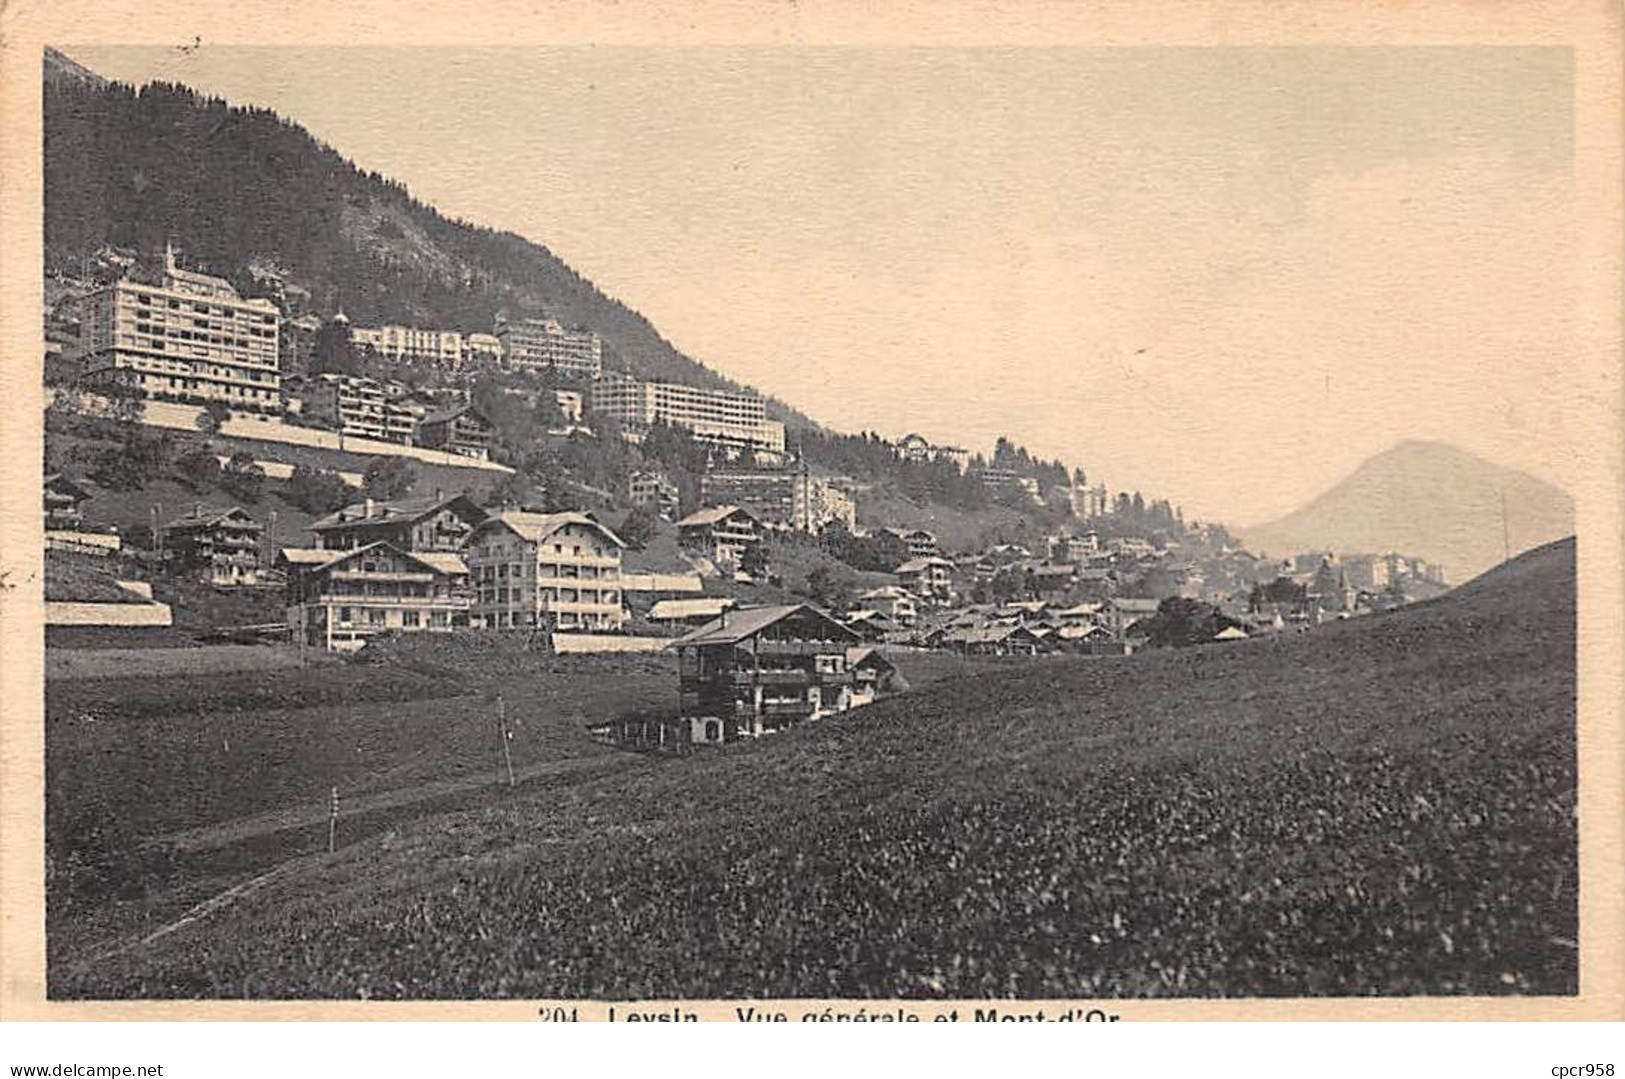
{"points": [[1591, 29]]}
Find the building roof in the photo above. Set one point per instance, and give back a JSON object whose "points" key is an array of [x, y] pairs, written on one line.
{"points": [[712, 515], [889, 591], [536, 527], [917, 565], [1136, 606], [442, 562], [863, 653], [307, 556], [402, 510], [445, 414], [707, 607], [205, 517], [988, 634], [1231, 633], [63, 485], [747, 622], [1079, 610], [865, 616], [1078, 633]]}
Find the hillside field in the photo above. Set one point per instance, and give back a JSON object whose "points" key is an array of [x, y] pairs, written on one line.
{"points": [[1384, 806], [166, 785]]}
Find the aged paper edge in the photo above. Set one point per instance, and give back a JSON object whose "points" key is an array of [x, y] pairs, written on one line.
{"points": [[1592, 30]]}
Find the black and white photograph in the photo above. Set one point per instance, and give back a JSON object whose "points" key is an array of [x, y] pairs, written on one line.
{"points": [[812, 522]]}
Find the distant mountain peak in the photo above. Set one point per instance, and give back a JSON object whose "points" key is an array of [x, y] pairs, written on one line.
{"points": [[1428, 499]]}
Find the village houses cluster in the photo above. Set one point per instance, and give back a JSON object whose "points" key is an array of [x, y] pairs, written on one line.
{"points": [[444, 563]]}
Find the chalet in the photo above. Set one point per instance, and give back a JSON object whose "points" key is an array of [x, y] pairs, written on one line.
{"points": [[551, 570], [413, 524], [341, 598], [891, 601], [873, 675], [929, 578], [1095, 584], [461, 429], [222, 546], [1079, 614], [62, 500], [721, 533], [65, 529], [1003, 640], [870, 626], [1052, 580], [758, 670], [652, 489], [1075, 638], [1023, 612], [1120, 615], [1071, 550], [690, 612]]}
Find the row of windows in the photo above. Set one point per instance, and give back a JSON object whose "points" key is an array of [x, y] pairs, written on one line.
{"points": [[409, 619], [493, 596], [146, 300]]}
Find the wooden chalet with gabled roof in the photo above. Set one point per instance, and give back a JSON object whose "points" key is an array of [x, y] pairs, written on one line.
{"points": [[410, 524], [759, 670], [221, 545], [340, 598]]}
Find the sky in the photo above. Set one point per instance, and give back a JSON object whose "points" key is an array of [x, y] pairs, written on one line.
{"points": [[1222, 276]]}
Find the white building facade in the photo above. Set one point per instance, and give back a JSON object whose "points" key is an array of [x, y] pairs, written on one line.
{"points": [[191, 340]]}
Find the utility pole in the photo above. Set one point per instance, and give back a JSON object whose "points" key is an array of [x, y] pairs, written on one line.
{"points": [[502, 728]]}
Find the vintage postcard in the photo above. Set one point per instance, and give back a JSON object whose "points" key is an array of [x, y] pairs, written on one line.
{"points": [[813, 512]]}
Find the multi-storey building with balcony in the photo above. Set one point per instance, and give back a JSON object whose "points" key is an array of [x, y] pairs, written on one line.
{"points": [[191, 339], [722, 533], [653, 489], [411, 345], [460, 429], [758, 670], [221, 546], [928, 578], [544, 344], [338, 599], [548, 570], [482, 350], [733, 421], [408, 524], [356, 406]]}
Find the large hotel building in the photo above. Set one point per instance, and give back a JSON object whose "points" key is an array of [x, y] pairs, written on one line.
{"points": [[191, 339], [410, 345], [535, 344], [734, 420]]}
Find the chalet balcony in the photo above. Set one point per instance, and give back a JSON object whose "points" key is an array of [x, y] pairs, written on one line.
{"points": [[786, 709], [363, 575], [796, 648], [772, 678], [416, 602]]}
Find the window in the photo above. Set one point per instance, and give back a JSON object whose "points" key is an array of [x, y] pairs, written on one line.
{"points": [[344, 614], [409, 619], [830, 664]]}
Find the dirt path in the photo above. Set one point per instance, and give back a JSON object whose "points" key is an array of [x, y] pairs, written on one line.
{"points": [[313, 814]]}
